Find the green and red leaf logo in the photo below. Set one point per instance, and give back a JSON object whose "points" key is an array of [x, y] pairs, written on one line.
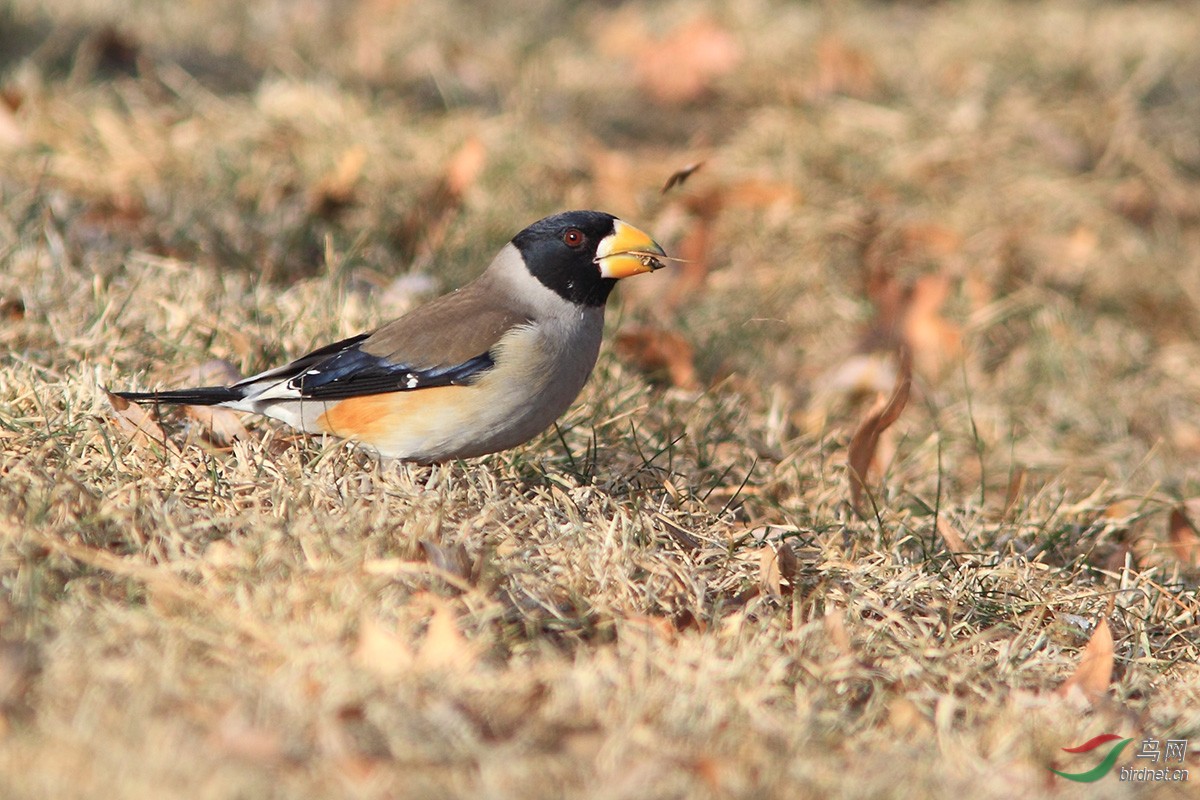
{"points": [[1101, 769]]}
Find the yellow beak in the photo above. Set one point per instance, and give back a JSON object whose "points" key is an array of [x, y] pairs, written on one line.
{"points": [[627, 251]]}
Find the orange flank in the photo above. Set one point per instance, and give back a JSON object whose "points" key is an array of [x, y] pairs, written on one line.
{"points": [[359, 417], [392, 417]]}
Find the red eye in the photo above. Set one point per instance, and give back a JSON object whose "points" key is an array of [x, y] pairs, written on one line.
{"points": [[573, 237]]}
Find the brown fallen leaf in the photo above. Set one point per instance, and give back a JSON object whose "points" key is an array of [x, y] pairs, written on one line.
{"points": [[1016, 487], [1121, 509], [934, 341], [695, 245], [711, 770], [221, 426], [695, 215], [465, 166], [649, 624], [1094, 673], [1181, 533], [381, 650], [834, 623], [654, 350], [143, 431], [951, 536], [769, 575], [686, 64], [444, 645], [788, 563], [682, 537], [909, 310], [335, 190], [860, 376], [865, 442]]}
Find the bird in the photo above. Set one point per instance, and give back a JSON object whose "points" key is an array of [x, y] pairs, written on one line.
{"points": [[482, 369]]}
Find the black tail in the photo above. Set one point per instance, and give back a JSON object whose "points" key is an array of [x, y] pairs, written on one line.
{"points": [[204, 396]]}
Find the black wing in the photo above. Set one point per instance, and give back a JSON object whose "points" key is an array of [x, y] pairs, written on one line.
{"points": [[352, 372]]}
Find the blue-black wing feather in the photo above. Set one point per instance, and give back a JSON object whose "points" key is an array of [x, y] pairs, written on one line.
{"points": [[352, 372]]}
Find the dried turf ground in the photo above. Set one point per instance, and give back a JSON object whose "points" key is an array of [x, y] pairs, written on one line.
{"points": [[597, 614]]}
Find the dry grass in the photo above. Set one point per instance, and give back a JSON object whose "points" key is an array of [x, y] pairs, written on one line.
{"points": [[598, 614]]}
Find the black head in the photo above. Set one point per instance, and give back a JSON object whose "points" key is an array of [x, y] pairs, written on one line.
{"points": [[560, 251]]}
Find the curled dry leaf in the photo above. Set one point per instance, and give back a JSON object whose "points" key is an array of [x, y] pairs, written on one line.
{"points": [[1094, 673], [143, 431], [680, 175], [655, 350], [221, 426], [865, 442], [1181, 533]]}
